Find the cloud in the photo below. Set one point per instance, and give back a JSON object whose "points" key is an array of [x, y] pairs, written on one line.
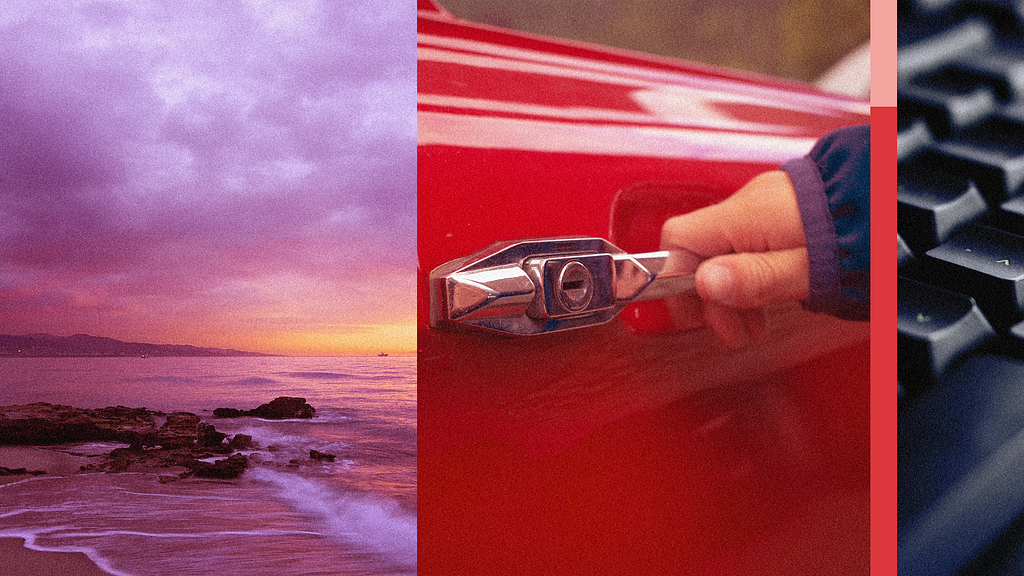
{"points": [[178, 148]]}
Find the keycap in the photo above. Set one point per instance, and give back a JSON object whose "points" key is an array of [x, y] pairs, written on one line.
{"points": [[932, 203], [933, 328], [912, 138], [960, 449], [933, 6], [935, 50], [1010, 216], [1004, 556], [987, 264], [1016, 336], [991, 154], [903, 254], [947, 100], [1004, 14], [1000, 69]]}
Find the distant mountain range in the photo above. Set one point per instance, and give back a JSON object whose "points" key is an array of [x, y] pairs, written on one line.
{"points": [[47, 345]]}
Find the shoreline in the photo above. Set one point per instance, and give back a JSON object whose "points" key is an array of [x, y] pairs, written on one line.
{"points": [[16, 559], [31, 458]]}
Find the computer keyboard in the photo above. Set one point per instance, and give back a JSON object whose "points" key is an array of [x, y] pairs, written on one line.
{"points": [[960, 292]]}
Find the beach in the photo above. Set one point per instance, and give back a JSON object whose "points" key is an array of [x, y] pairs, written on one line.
{"points": [[15, 558], [53, 462], [328, 495]]}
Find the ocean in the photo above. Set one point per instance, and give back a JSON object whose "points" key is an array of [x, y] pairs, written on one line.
{"points": [[285, 516]]}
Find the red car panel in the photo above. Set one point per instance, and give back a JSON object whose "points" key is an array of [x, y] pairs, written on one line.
{"points": [[622, 448]]}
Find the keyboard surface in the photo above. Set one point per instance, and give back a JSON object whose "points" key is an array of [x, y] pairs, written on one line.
{"points": [[960, 259]]}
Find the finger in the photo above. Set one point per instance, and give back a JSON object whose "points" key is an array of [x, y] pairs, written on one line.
{"points": [[735, 328], [728, 325], [685, 310], [754, 280], [763, 215], [681, 261], [755, 322]]}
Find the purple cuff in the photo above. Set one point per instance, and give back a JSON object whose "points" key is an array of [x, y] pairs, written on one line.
{"points": [[833, 190], [819, 232]]}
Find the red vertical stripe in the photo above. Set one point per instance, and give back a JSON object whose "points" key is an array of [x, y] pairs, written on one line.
{"points": [[883, 340]]}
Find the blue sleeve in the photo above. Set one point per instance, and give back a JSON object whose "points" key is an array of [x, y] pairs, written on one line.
{"points": [[833, 188]]}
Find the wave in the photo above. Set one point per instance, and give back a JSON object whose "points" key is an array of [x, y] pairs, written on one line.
{"points": [[189, 497], [255, 380], [175, 379], [32, 537], [319, 375], [91, 553], [322, 416], [371, 522], [342, 376], [318, 419], [276, 447]]}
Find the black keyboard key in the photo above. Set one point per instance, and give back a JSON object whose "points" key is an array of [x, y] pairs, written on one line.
{"points": [[1004, 14], [912, 139], [987, 264], [991, 154], [947, 100], [934, 327], [903, 254], [1002, 70], [1010, 216], [930, 53], [961, 465], [1015, 337], [1004, 556], [931, 204], [934, 6]]}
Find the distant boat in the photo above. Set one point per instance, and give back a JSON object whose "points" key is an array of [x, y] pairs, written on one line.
{"points": [[382, 354]]}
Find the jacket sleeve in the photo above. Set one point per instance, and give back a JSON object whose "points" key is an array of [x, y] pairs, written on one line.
{"points": [[833, 188]]}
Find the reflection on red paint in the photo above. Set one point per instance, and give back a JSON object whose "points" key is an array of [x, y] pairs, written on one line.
{"points": [[624, 448]]}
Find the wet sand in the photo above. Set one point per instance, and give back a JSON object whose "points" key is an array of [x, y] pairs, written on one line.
{"points": [[32, 458], [15, 559]]}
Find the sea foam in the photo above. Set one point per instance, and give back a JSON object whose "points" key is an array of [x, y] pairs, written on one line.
{"points": [[374, 523]]}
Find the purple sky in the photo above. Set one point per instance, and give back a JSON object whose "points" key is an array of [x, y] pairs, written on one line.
{"points": [[223, 173]]}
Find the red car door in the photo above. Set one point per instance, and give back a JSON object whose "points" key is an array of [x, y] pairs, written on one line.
{"points": [[625, 447]]}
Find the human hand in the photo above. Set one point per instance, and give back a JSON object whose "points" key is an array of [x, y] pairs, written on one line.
{"points": [[748, 252]]}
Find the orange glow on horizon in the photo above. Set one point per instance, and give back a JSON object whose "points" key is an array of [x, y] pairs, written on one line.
{"points": [[368, 340]]}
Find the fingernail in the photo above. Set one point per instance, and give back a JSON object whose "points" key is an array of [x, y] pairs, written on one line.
{"points": [[718, 283]]}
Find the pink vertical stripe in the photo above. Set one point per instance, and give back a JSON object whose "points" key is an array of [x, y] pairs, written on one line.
{"points": [[883, 53]]}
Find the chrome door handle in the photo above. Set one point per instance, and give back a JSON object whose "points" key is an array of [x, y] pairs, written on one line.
{"points": [[546, 285]]}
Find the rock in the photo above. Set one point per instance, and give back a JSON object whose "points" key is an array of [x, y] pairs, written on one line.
{"points": [[281, 408], [182, 441], [180, 430], [313, 454], [208, 437], [42, 424], [137, 439], [229, 468], [241, 442], [19, 471], [284, 408]]}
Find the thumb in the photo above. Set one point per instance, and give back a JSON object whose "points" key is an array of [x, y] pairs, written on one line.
{"points": [[755, 279]]}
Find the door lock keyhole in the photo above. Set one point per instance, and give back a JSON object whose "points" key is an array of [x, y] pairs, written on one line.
{"points": [[575, 286]]}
